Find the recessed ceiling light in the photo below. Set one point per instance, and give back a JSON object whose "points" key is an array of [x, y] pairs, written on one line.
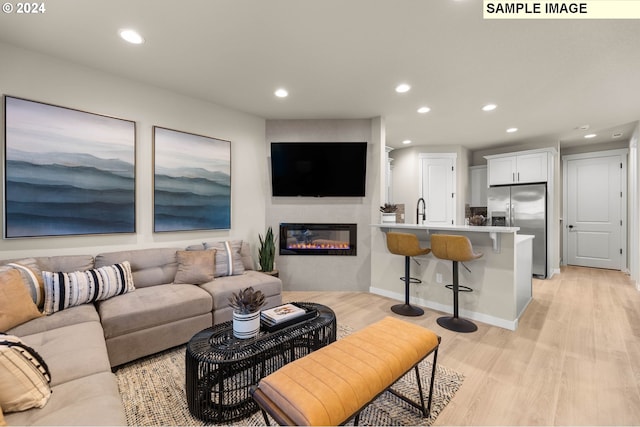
{"points": [[617, 135], [131, 36], [423, 110], [281, 93], [489, 107], [591, 135], [402, 88], [406, 141], [512, 130]]}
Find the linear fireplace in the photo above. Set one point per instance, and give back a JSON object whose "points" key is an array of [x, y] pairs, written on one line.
{"points": [[318, 239]]}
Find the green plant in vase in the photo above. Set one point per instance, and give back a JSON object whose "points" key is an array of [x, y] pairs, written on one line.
{"points": [[246, 301], [267, 251]]}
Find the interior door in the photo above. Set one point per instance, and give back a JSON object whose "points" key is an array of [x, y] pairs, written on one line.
{"points": [[594, 211], [438, 189]]}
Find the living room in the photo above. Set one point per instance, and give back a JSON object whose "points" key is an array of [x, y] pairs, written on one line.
{"points": [[47, 77]]}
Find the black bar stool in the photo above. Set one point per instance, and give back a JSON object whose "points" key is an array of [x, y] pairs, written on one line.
{"points": [[456, 249], [407, 245]]}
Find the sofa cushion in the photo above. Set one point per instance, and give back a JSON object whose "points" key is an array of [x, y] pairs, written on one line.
{"points": [[195, 267], [152, 306], [70, 316], [228, 258], [66, 263], [32, 276], [150, 267], [73, 351], [88, 401], [222, 287], [16, 305], [24, 376], [64, 290]]}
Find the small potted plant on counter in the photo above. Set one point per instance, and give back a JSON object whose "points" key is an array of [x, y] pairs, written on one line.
{"points": [[388, 213], [246, 312]]}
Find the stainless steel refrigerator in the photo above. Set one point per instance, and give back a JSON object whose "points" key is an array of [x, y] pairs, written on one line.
{"points": [[523, 206]]}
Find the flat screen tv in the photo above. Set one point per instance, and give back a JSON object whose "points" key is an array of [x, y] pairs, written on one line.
{"points": [[318, 169]]}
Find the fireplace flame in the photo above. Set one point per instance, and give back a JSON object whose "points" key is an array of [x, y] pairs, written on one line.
{"points": [[318, 245]]}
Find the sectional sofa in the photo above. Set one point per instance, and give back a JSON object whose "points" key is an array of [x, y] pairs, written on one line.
{"points": [[149, 300]]}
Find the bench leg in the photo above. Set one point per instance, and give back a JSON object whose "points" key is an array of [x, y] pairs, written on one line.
{"points": [[426, 411]]}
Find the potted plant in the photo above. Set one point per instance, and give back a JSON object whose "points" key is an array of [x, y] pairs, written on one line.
{"points": [[246, 312], [267, 252], [388, 212]]}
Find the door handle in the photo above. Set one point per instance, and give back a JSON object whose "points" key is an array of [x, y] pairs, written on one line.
{"points": [[570, 226]]}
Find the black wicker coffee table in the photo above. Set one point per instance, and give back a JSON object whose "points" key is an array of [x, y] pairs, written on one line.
{"points": [[220, 368]]}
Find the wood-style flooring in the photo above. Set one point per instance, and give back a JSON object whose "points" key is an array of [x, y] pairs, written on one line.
{"points": [[574, 360]]}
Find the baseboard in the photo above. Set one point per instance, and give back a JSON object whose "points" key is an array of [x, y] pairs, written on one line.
{"points": [[511, 325]]}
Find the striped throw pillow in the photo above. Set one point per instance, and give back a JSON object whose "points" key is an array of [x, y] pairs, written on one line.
{"points": [[228, 258], [64, 290], [24, 376]]}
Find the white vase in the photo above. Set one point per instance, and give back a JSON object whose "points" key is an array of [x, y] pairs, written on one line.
{"points": [[388, 218], [246, 325]]}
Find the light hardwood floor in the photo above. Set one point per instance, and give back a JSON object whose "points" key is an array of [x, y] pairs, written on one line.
{"points": [[574, 360]]}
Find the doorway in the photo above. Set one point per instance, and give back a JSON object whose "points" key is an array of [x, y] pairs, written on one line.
{"points": [[595, 207]]}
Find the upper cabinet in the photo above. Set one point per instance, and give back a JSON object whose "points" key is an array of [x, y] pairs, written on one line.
{"points": [[518, 168], [477, 186]]}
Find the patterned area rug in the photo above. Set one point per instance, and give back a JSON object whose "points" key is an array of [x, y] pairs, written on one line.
{"points": [[152, 390]]}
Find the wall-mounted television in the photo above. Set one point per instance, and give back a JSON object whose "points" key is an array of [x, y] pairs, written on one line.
{"points": [[318, 169]]}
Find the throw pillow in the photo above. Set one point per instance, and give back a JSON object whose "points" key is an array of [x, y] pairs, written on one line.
{"points": [[24, 376], [64, 290], [195, 267], [228, 258], [16, 305], [32, 276]]}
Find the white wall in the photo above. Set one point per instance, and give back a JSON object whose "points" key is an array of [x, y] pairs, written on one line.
{"points": [[42, 78], [328, 273]]}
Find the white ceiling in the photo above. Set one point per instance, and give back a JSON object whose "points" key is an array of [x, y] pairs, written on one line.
{"points": [[343, 59]]}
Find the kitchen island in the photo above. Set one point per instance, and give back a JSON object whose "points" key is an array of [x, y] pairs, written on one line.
{"points": [[501, 280]]}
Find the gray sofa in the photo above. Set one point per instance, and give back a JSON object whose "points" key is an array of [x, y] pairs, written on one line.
{"points": [[82, 344]]}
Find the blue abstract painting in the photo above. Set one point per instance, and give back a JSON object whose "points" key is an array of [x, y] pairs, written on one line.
{"points": [[192, 181], [67, 172]]}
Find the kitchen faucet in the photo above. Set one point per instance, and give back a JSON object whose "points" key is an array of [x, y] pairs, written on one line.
{"points": [[424, 211]]}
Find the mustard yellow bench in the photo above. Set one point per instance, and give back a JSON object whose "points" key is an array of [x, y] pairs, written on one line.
{"points": [[333, 384]]}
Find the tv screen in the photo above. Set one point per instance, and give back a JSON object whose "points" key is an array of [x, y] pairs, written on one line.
{"points": [[318, 169]]}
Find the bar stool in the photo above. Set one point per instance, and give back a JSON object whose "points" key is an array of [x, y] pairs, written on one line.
{"points": [[456, 249], [407, 245]]}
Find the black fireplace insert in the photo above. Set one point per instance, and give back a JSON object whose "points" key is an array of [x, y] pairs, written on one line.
{"points": [[318, 239]]}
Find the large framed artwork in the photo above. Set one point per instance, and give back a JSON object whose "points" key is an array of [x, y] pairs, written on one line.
{"points": [[192, 181], [67, 172]]}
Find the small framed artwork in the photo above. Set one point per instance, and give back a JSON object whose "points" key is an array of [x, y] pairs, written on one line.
{"points": [[191, 180], [67, 172]]}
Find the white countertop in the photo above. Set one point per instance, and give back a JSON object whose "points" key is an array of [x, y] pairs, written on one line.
{"points": [[471, 228]]}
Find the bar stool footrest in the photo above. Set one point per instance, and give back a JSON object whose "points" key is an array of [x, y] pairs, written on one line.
{"points": [[412, 280], [461, 288]]}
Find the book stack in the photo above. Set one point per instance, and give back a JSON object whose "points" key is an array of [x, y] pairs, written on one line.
{"points": [[284, 315]]}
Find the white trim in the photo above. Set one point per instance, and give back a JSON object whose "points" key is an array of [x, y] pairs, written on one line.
{"points": [[511, 325]]}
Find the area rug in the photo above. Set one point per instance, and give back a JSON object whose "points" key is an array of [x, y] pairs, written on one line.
{"points": [[152, 391]]}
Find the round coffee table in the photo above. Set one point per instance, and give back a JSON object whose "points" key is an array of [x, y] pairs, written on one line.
{"points": [[220, 368]]}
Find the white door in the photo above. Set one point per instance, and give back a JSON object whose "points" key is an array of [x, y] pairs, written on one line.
{"points": [[595, 206], [438, 189]]}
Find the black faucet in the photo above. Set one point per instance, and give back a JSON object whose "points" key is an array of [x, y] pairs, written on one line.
{"points": [[424, 211]]}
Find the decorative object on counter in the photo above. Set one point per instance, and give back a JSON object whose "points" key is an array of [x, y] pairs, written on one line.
{"points": [[407, 245], [267, 251], [457, 249], [388, 213], [246, 312], [477, 220]]}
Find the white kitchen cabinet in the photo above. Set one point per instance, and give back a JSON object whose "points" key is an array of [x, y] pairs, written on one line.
{"points": [[478, 186], [518, 168]]}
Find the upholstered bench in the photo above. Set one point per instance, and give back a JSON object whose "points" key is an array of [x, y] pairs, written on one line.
{"points": [[333, 384]]}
